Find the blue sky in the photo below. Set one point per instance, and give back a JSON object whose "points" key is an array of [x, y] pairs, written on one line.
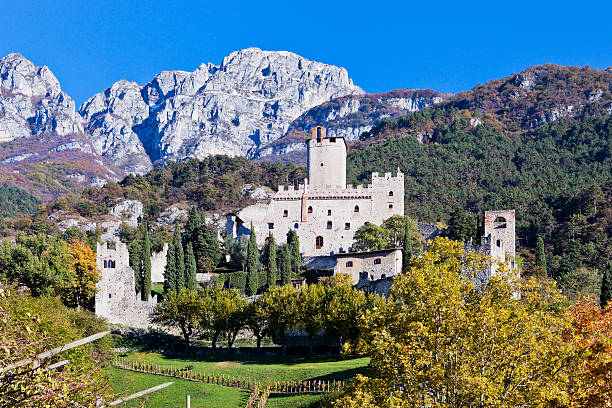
{"points": [[384, 45]]}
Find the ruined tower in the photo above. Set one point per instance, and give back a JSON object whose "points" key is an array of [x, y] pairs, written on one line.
{"points": [[326, 160], [499, 227]]}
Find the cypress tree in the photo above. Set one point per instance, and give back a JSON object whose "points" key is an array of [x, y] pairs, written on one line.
{"points": [[252, 283], [286, 266], [135, 251], [271, 261], [407, 247], [190, 268], [606, 286], [170, 271], [179, 257], [210, 250], [293, 242], [540, 255], [146, 266]]}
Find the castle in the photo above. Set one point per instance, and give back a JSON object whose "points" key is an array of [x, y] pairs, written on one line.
{"points": [[323, 211]]}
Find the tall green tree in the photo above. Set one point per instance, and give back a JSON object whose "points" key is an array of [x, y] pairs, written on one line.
{"points": [[209, 248], [271, 261], [170, 271], [252, 283], [190, 268], [179, 259], [286, 266], [407, 247], [146, 266], [293, 242], [462, 225], [606, 286], [540, 255]]}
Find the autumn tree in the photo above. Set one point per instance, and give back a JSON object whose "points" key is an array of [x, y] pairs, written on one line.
{"points": [[181, 311], [85, 274], [279, 305], [310, 311], [591, 382], [256, 321], [449, 341], [344, 307]]}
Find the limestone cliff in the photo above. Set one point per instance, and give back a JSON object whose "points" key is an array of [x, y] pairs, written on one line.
{"points": [[249, 100]]}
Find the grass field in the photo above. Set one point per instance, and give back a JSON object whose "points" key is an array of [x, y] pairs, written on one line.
{"points": [[263, 368], [259, 368]]}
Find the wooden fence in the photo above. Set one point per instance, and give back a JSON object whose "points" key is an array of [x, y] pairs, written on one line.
{"points": [[270, 388]]}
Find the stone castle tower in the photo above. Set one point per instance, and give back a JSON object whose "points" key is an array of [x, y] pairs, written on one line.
{"points": [[323, 211], [116, 298], [326, 160], [499, 229]]}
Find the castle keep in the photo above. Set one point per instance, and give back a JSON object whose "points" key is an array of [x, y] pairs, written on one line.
{"points": [[324, 211]]}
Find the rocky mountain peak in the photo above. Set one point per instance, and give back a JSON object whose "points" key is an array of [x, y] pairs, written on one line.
{"points": [[250, 99]]}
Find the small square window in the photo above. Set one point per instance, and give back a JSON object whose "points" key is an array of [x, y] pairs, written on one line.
{"points": [[349, 264], [377, 261], [270, 225], [285, 213], [347, 225], [390, 206]]}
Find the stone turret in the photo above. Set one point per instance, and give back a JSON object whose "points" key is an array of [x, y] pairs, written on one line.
{"points": [[326, 160], [499, 227]]}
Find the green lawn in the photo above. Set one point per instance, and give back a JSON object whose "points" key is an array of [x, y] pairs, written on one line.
{"points": [[202, 395], [260, 368], [263, 368]]}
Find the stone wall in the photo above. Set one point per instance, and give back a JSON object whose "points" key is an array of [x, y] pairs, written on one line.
{"points": [[369, 266], [158, 265]]}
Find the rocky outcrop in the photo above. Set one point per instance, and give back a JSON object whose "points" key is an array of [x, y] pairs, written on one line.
{"points": [[349, 117], [249, 100], [32, 102], [44, 149]]}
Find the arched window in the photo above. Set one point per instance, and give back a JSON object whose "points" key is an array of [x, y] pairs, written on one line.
{"points": [[356, 209], [105, 263], [285, 213], [319, 134], [329, 225], [500, 219], [296, 225], [319, 242], [377, 261], [390, 193], [498, 243], [310, 209], [383, 276], [328, 212], [112, 264], [349, 264]]}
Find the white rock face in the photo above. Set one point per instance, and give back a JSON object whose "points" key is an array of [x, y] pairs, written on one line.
{"points": [[234, 108], [32, 102]]}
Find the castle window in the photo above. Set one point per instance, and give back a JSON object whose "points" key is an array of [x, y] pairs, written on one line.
{"points": [[310, 210], [349, 264], [356, 209], [347, 225], [319, 134], [377, 261], [105, 263], [383, 276], [296, 225], [270, 225], [329, 225], [328, 212], [390, 193], [285, 213], [500, 219], [110, 296], [332, 140], [498, 243], [390, 206], [321, 164], [319, 242]]}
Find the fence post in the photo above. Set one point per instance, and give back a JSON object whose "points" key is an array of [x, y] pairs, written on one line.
{"points": [[188, 401]]}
